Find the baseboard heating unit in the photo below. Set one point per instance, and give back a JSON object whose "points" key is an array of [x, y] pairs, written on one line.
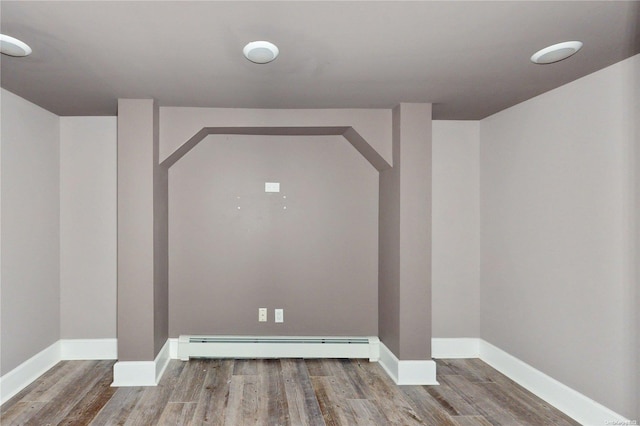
{"points": [[277, 347]]}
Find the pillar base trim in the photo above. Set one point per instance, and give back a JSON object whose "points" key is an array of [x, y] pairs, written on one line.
{"points": [[141, 373], [407, 372]]}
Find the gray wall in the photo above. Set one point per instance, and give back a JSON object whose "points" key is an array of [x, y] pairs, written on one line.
{"points": [[456, 229], [30, 222], [160, 241], [389, 251], [635, 136], [556, 248], [316, 259], [88, 181]]}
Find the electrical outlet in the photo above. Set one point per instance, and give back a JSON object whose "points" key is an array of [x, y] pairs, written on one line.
{"points": [[279, 316], [262, 314]]}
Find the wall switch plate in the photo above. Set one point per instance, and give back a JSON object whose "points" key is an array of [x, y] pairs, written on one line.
{"points": [[279, 315], [262, 314], [272, 187]]}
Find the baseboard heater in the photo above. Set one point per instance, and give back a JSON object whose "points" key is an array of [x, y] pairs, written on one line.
{"points": [[277, 347]]}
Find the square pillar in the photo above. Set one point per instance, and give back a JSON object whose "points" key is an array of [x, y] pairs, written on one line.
{"points": [[405, 249], [142, 247]]}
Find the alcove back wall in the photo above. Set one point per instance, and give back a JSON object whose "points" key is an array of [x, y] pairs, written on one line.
{"points": [[317, 258]]}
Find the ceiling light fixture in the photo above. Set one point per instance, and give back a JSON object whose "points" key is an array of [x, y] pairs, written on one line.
{"points": [[261, 52], [13, 47], [556, 53]]}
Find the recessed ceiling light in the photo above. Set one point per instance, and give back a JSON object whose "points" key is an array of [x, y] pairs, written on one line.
{"points": [[13, 47], [556, 53], [261, 52]]}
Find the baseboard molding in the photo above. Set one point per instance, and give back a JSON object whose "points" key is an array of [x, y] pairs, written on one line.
{"points": [[407, 372], [463, 347], [87, 349], [141, 373], [24, 374], [62, 350], [571, 402]]}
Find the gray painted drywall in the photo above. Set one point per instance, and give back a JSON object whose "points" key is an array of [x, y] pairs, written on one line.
{"points": [[30, 221], [634, 108], [389, 250], [88, 229], [456, 229], [405, 236], [556, 240], [414, 121], [235, 248], [137, 299], [160, 241]]}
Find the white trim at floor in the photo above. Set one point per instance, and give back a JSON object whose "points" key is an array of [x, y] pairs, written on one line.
{"points": [[62, 350], [141, 373], [463, 347], [24, 374], [86, 349], [571, 402], [407, 372]]}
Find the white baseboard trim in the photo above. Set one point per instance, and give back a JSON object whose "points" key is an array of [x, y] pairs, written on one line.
{"points": [[418, 372], [141, 373], [24, 374], [462, 347], [87, 349], [571, 402], [62, 350]]}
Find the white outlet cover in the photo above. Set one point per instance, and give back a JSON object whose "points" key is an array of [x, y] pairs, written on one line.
{"points": [[262, 314], [272, 187], [279, 315]]}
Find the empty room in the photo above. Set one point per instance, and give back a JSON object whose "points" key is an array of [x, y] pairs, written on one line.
{"points": [[320, 212]]}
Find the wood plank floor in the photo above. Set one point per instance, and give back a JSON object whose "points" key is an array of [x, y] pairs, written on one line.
{"points": [[278, 392]]}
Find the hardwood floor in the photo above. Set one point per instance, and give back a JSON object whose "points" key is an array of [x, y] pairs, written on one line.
{"points": [[278, 392]]}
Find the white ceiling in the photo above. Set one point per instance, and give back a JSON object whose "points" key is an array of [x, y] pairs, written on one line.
{"points": [[469, 58]]}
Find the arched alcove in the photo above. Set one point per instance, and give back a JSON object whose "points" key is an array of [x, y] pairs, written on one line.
{"points": [[401, 135]]}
